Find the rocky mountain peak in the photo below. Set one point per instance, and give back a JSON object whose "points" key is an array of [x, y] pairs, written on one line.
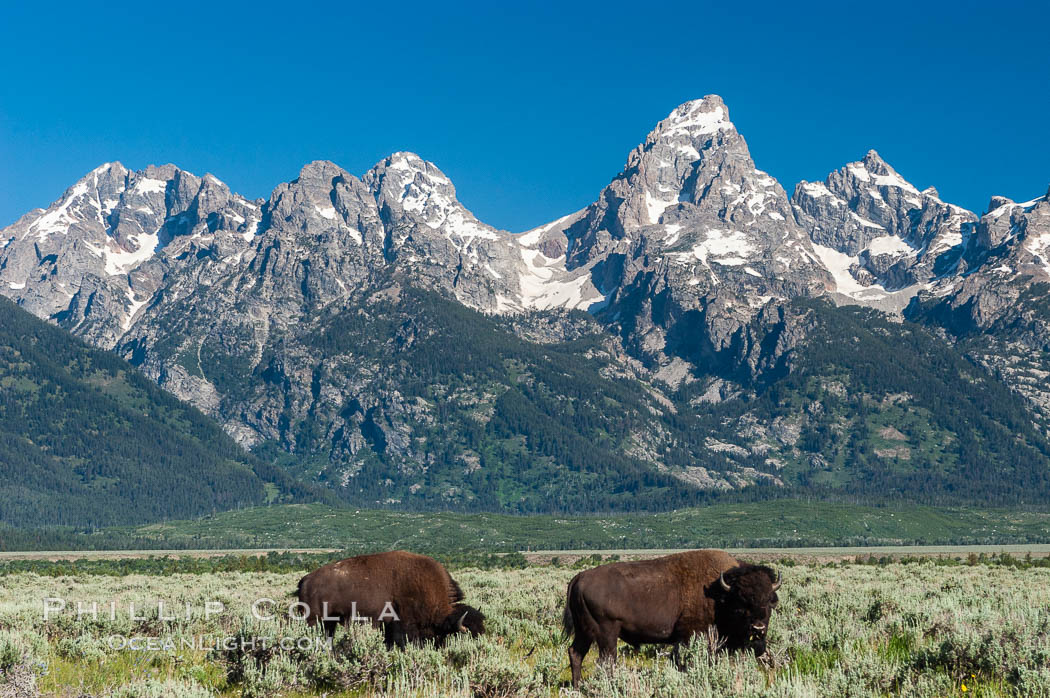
{"points": [[319, 171], [85, 261], [693, 164], [695, 118], [874, 163], [409, 171], [997, 202], [1007, 219], [879, 235], [418, 203]]}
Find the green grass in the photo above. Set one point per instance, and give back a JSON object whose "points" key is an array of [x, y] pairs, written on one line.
{"points": [[777, 524]]}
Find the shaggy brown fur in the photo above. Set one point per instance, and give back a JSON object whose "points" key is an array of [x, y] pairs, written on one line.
{"points": [[667, 601], [417, 588]]}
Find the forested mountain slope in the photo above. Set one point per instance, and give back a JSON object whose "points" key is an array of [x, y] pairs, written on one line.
{"points": [[86, 440]]}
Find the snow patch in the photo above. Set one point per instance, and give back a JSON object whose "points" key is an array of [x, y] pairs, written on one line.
{"points": [[410, 162], [531, 237], [656, 207], [1010, 206], [355, 234], [859, 172], [543, 285], [251, 230], [693, 119], [724, 247], [894, 180], [756, 203], [440, 211], [689, 151], [838, 264], [671, 233], [147, 185], [864, 221], [58, 220], [134, 308], [891, 245], [121, 261], [817, 190]]}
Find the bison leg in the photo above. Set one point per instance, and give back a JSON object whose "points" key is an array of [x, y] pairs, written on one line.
{"points": [[394, 634], [676, 656], [581, 644], [607, 640]]}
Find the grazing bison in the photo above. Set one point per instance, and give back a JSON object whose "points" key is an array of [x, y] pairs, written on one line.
{"points": [[667, 601], [412, 596]]}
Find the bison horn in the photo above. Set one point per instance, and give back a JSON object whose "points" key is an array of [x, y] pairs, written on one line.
{"points": [[459, 624], [723, 582], [776, 584]]}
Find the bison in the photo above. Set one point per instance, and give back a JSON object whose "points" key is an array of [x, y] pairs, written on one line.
{"points": [[413, 597], [667, 601]]}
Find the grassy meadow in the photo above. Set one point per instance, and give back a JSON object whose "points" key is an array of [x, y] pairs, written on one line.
{"points": [[782, 523], [916, 628]]}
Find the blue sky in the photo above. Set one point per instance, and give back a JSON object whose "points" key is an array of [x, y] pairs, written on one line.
{"points": [[530, 108]]}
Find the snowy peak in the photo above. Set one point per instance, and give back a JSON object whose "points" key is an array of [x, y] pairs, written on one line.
{"points": [[491, 269], [416, 193], [87, 253], [690, 220], [693, 163], [998, 205], [868, 199], [881, 237], [1007, 220], [406, 177], [696, 118]]}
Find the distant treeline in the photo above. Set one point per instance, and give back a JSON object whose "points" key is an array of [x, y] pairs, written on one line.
{"points": [[303, 562], [271, 562]]}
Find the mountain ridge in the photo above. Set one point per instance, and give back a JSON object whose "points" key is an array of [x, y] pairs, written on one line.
{"points": [[691, 262]]}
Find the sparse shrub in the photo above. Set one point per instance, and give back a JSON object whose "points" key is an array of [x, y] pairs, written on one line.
{"points": [[1034, 683], [22, 660], [85, 647], [162, 689]]}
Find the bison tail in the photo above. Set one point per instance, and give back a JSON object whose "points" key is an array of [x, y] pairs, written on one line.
{"points": [[568, 625], [298, 593]]}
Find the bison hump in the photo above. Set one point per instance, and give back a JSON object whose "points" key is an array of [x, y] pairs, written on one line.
{"points": [[455, 594]]}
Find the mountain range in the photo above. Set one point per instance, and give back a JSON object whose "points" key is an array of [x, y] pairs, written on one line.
{"points": [[693, 331]]}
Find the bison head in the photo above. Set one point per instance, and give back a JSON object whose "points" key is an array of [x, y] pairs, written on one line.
{"points": [[744, 600], [463, 619]]}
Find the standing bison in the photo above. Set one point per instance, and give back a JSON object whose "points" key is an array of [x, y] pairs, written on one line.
{"points": [[667, 601], [412, 596]]}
